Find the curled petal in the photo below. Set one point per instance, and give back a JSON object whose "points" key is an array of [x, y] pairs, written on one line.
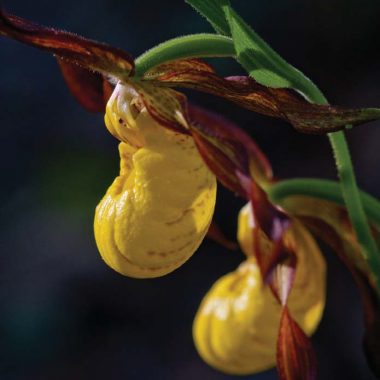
{"points": [[87, 53], [246, 92], [158, 210]]}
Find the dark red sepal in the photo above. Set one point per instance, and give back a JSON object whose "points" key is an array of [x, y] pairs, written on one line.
{"points": [[87, 53], [90, 89]]}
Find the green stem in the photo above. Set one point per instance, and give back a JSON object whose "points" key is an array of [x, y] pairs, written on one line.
{"points": [[324, 189], [192, 46]]}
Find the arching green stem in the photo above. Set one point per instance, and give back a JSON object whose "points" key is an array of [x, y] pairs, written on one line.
{"points": [[324, 189], [192, 46]]}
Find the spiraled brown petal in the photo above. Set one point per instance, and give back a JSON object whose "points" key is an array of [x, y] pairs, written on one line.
{"points": [[277, 241], [218, 162], [278, 256], [296, 359], [228, 150]]}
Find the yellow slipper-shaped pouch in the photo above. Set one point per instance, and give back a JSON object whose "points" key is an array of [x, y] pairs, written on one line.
{"points": [[235, 329], [158, 210]]}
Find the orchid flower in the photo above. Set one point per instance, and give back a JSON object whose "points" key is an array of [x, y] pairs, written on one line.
{"points": [[236, 327], [158, 210]]}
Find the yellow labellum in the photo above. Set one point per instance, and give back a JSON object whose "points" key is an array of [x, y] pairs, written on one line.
{"points": [[158, 210], [235, 329]]}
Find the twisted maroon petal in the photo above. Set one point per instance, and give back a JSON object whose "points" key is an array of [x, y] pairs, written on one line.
{"points": [[228, 151], [296, 359]]}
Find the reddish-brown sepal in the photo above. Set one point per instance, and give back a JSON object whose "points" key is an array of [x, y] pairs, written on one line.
{"points": [[87, 53]]}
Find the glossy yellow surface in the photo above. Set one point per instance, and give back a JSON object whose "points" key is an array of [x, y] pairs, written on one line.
{"points": [[158, 210], [235, 329]]}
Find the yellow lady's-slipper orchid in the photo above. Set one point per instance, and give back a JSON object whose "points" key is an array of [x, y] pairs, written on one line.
{"points": [[157, 211], [236, 327]]}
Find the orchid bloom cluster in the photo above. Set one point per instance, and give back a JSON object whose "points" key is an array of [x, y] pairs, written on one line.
{"points": [[158, 210]]}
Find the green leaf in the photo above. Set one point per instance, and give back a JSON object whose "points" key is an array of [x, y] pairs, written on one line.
{"points": [[260, 60], [253, 53], [212, 10]]}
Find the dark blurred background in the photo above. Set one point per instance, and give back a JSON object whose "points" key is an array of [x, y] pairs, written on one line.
{"points": [[64, 314]]}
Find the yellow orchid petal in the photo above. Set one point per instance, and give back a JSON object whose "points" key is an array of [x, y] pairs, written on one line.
{"points": [[235, 329], [157, 211]]}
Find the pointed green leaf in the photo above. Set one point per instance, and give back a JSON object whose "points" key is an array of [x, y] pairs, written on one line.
{"points": [[260, 60], [253, 53]]}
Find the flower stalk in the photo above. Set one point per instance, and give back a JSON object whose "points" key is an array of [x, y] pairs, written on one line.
{"points": [[201, 45]]}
